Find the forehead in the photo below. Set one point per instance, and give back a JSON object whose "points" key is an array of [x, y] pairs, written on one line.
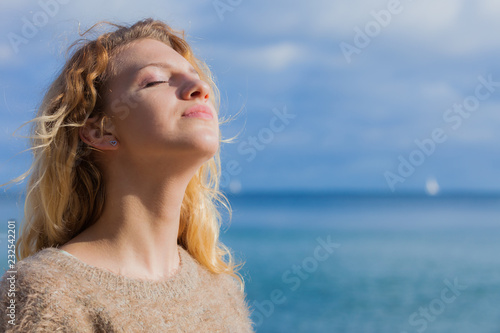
{"points": [[132, 57]]}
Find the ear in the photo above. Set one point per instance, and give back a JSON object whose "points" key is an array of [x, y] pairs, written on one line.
{"points": [[99, 137]]}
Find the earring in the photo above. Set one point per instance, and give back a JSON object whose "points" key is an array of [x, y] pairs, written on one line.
{"points": [[113, 142]]}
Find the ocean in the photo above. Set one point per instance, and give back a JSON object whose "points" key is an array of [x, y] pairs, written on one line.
{"points": [[362, 263]]}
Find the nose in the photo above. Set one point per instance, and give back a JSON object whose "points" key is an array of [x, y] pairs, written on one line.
{"points": [[196, 89]]}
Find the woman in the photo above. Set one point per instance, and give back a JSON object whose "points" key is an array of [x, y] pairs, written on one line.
{"points": [[121, 229]]}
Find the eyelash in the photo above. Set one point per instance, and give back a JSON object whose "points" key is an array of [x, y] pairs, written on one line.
{"points": [[154, 83]]}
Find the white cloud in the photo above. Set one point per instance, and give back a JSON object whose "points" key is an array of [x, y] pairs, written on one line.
{"points": [[337, 19], [455, 27], [181, 15], [272, 57], [426, 17]]}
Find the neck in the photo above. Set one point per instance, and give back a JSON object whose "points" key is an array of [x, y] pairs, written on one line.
{"points": [[139, 225]]}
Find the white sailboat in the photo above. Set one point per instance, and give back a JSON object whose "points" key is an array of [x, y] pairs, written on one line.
{"points": [[431, 186]]}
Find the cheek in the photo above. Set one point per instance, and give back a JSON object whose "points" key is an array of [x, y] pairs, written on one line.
{"points": [[153, 113], [146, 121]]}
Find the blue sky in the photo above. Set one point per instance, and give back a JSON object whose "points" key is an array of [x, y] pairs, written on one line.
{"points": [[365, 85]]}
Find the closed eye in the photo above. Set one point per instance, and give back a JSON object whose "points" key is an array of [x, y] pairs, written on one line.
{"points": [[154, 83]]}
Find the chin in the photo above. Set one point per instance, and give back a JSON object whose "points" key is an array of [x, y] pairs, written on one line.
{"points": [[205, 145], [210, 145]]}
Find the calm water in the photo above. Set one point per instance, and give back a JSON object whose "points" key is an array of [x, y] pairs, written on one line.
{"points": [[411, 264]]}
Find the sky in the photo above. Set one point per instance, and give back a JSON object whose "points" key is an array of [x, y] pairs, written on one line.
{"points": [[378, 96]]}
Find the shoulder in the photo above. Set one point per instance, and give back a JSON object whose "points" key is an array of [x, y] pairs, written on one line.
{"points": [[230, 284], [37, 278], [224, 287], [225, 294], [30, 295], [37, 272], [235, 294], [210, 280], [202, 274]]}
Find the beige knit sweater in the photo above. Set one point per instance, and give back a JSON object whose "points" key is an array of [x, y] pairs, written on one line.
{"points": [[57, 292]]}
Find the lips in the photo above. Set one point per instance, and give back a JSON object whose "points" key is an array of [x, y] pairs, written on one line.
{"points": [[198, 111]]}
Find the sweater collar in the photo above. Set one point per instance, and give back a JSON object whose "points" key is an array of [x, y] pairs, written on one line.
{"points": [[185, 279]]}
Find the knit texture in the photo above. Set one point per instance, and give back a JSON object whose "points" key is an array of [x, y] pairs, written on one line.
{"points": [[57, 292]]}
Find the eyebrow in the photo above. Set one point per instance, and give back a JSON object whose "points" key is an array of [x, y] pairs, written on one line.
{"points": [[167, 66]]}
